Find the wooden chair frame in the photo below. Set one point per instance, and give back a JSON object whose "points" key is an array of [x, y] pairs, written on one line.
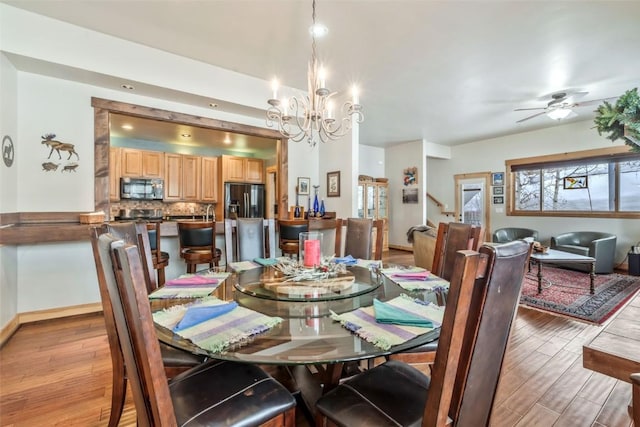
{"points": [[195, 255], [230, 239], [377, 237]]}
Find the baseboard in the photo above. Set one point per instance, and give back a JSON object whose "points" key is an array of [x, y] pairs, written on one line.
{"points": [[56, 313], [8, 330], [401, 248]]}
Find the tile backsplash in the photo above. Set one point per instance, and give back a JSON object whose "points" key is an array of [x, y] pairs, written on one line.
{"points": [[168, 209]]}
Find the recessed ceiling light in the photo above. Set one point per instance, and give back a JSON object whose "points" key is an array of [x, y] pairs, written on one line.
{"points": [[213, 105], [185, 135], [128, 87], [127, 127]]}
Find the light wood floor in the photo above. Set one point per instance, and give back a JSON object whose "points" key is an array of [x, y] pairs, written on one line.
{"points": [[58, 373]]}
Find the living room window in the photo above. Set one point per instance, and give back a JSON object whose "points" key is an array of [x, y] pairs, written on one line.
{"points": [[590, 183]]}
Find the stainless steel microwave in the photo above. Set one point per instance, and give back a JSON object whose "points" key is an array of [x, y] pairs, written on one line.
{"points": [[141, 188]]}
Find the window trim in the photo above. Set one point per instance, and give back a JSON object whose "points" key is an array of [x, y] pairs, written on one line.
{"points": [[601, 154]]}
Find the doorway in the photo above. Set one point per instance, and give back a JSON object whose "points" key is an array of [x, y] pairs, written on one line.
{"points": [[472, 200]]}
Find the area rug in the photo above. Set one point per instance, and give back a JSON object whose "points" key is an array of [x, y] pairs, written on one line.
{"points": [[566, 292]]}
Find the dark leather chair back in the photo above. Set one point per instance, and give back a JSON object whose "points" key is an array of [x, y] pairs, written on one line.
{"points": [[453, 237], [359, 238], [509, 234], [289, 235], [136, 233], [198, 244], [496, 309]]}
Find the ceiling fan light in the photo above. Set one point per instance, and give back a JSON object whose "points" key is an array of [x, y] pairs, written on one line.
{"points": [[559, 113]]}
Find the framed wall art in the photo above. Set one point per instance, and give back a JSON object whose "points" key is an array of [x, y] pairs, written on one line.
{"points": [[498, 200], [333, 184], [303, 185], [498, 191], [410, 176], [409, 195], [497, 178]]}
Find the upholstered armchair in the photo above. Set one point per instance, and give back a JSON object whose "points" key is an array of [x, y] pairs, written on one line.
{"points": [[599, 245], [509, 234]]}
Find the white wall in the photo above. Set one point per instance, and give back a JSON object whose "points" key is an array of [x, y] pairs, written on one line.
{"points": [[8, 188], [401, 215], [372, 161], [491, 154]]}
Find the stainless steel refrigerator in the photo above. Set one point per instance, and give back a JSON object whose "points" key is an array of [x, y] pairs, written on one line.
{"points": [[244, 200]]}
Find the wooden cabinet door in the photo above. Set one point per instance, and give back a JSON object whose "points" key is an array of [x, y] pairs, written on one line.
{"points": [[233, 169], [254, 171], [152, 164], [209, 179], [131, 162], [114, 174], [172, 177], [191, 178]]}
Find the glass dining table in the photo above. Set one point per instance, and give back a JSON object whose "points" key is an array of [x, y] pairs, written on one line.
{"points": [[308, 343]]}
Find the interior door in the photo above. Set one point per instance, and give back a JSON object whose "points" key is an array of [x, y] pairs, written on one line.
{"points": [[472, 200]]}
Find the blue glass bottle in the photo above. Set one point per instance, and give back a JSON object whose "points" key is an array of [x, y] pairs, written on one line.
{"points": [[322, 208], [316, 204]]}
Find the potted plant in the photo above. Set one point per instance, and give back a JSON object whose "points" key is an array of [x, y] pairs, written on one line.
{"points": [[621, 120]]}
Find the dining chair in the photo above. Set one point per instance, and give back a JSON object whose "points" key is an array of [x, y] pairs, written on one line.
{"points": [[249, 238], [288, 235], [329, 229], [136, 233], [362, 238], [175, 360], [473, 339], [451, 237], [213, 393], [160, 259], [198, 244], [635, 399]]}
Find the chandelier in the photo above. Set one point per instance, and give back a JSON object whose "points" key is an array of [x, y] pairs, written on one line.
{"points": [[313, 116]]}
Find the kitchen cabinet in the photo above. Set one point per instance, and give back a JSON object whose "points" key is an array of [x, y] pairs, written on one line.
{"points": [[184, 178], [141, 164], [114, 174], [373, 203], [242, 169], [209, 183], [191, 176], [172, 177]]}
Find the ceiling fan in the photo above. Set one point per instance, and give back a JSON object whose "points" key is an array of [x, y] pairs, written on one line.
{"points": [[559, 107]]}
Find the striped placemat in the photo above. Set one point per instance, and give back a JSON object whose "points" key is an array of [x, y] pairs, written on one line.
{"points": [[363, 322], [218, 333], [431, 283], [188, 291]]}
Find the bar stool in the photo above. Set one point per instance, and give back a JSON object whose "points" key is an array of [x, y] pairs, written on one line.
{"points": [[198, 244], [160, 259], [289, 235]]}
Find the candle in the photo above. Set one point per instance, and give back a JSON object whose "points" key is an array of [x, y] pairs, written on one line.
{"points": [[311, 253], [285, 106], [323, 77], [354, 93], [330, 110], [274, 86]]}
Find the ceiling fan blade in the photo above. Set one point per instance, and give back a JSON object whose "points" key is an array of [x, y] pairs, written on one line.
{"points": [[531, 117], [527, 109], [592, 102]]}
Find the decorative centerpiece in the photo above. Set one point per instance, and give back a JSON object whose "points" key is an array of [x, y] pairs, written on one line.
{"points": [[294, 277]]}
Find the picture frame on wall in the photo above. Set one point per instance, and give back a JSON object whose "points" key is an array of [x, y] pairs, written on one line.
{"points": [[575, 182], [498, 200], [409, 195], [333, 184], [303, 185], [497, 178], [498, 190]]}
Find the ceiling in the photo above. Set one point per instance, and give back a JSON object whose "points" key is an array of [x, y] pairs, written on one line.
{"points": [[448, 72]]}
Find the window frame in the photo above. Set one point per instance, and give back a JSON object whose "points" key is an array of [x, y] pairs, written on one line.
{"points": [[617, 152]]}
